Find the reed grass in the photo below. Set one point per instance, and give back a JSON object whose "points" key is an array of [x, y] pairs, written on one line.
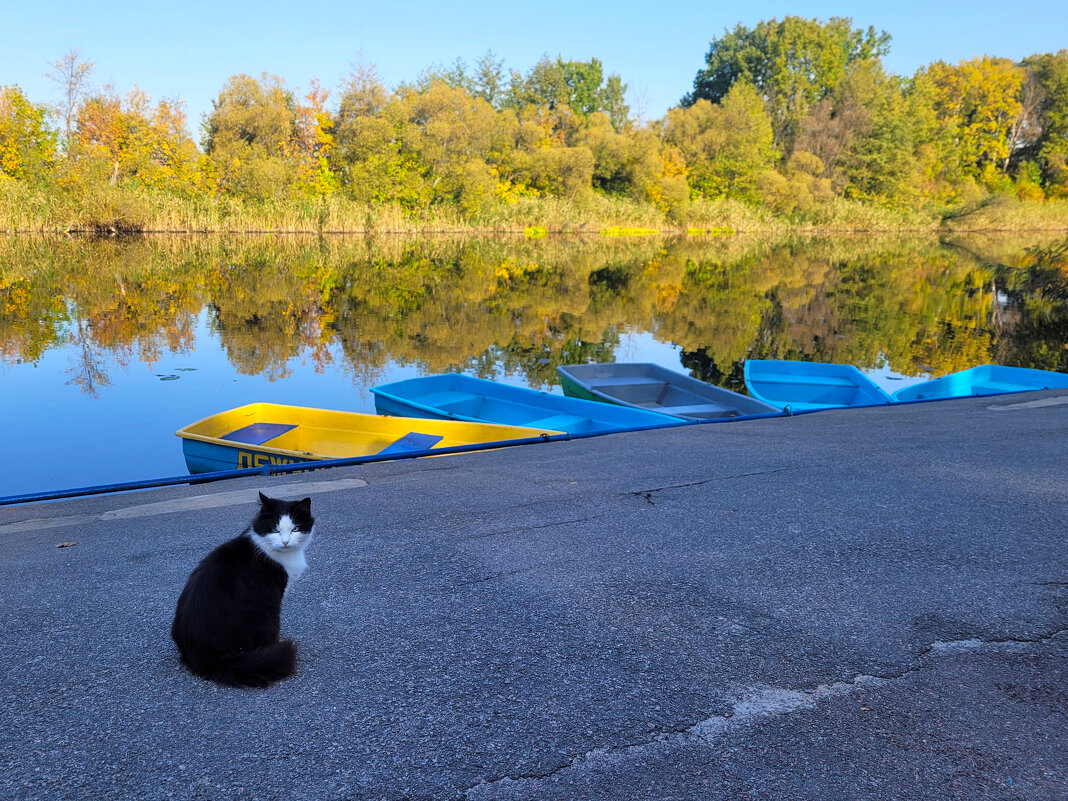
{"points": [[854, 216], [734, 215], [1008, 213], [56, 208]]}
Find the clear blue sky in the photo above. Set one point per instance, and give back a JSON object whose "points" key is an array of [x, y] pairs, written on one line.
{"points": [[189, 49]]}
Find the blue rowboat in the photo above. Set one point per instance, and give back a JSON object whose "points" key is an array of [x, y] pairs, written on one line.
{"points": [[986, 379], [806, 386], [461, 397], [267, 433], [655, 388]]}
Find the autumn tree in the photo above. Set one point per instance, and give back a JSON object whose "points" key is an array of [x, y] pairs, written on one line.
{"points": [[315, 137], [131, 139], [978, 101], [27, 145], [637, 164], [548, 156]]}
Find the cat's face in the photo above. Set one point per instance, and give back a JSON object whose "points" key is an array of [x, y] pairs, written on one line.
{"points": [[284, 526]]}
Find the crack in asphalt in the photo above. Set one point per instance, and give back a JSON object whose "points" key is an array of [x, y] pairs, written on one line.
{"points": [[505, 574], [760, 702], [521, 529], [647, 494]]}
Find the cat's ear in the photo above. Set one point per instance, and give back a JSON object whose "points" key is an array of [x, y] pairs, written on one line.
{"points": [[264, 500], [306, 503]]}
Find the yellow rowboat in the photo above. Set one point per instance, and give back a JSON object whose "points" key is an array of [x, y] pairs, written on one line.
{"points": [[267, 433]]}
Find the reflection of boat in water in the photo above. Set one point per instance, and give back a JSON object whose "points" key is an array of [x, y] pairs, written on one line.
{"points": [[461, 397], [268, 433], [805, 386], [655, 388], [986, 379]]}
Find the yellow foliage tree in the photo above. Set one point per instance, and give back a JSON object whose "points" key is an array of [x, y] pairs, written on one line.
{"points": [[27, 146], [978, 101]]}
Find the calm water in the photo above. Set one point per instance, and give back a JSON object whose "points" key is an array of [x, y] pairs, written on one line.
{"points": [[107, 347]]}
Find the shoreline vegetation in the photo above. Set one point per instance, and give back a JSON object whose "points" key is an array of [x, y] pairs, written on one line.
{"points": [[122, 211], [791, 126]]}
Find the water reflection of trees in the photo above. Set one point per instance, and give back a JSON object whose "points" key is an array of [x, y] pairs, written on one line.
{"points": [[522, 306]]}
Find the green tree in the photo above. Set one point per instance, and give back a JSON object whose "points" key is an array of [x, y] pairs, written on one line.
{"points": [[369, 154], [579, 85], [793, 64], [867, 132], [488, 80], [1051, 148], [251, 136], [728, 146], [458, 139]]}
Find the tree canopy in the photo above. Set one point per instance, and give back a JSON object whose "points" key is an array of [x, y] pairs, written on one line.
{"points": [[789, 115]]}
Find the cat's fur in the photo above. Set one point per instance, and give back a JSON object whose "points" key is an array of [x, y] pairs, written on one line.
{"points": [[228, 618]]}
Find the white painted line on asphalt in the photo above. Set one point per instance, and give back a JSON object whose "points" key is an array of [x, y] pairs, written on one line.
{"points": [[193, 502], [1061, 400]]}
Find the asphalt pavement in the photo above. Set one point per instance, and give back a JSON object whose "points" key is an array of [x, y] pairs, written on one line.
{"points": [[863, 604]]}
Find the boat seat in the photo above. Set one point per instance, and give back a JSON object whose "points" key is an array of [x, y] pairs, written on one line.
{"points": [[556, 422], [413, 441], [438, 400], [705, 410], [822, 381], [258, 433], [624, 381], [996, 387]]}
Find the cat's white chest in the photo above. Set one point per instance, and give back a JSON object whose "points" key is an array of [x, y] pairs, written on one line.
{"points": [[293, 561]]}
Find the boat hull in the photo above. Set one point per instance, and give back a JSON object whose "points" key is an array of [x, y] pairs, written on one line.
{"points": [[811, 386], [986, 379], [651, 387], [461, 397], [262, 434]]}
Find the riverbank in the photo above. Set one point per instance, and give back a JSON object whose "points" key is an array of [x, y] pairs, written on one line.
{"points": [[855, 604], [26, 208]]}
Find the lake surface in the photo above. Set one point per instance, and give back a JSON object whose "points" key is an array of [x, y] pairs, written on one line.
{"points": [[107, 347]]}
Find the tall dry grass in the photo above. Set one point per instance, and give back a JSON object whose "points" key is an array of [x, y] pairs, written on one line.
{"points": [[1008, 213], [54, 208]]}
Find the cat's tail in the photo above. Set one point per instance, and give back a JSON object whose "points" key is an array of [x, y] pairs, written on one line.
{"points": [[259, 667]]}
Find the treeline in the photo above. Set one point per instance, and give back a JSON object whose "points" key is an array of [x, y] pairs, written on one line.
{"points": [[792, 115]]}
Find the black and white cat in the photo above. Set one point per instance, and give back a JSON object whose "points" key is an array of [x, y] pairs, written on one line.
{"points": [[228, 618]]}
